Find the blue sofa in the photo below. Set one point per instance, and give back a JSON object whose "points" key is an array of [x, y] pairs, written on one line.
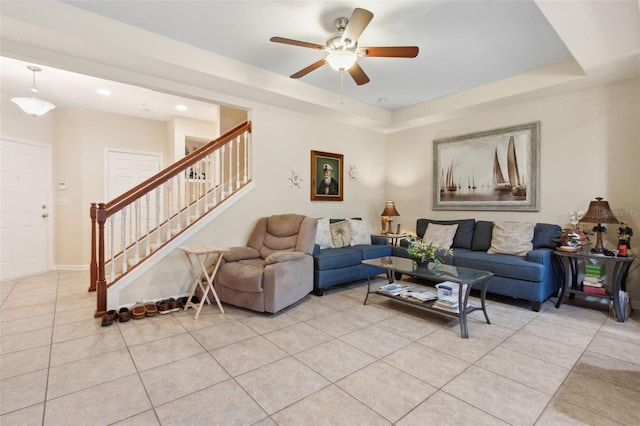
{"points": [[333, 266], [533, 277]]}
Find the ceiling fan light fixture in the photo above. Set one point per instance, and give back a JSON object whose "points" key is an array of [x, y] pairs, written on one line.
{"points": [[341, 60], [32, 105]]}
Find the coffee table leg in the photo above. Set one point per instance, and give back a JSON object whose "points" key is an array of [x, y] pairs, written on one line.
{"points": [[366, 268], [483, 296]]}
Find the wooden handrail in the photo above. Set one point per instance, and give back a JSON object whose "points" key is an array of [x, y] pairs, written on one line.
{"points": [[100, 212], [161, 177]]}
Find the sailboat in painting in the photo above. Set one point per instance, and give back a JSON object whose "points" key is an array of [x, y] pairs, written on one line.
{"points": [[451, 186], [499, 183], [517, 186]]}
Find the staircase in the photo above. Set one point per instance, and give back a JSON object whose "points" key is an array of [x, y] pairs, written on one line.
{"points": [[132, 229]]}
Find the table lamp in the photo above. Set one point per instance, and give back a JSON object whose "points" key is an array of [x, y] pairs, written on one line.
{"points": [[387, 216], [599, 212]]}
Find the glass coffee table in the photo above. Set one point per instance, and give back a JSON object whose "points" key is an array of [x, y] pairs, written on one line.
{"points": [[436, 274]]}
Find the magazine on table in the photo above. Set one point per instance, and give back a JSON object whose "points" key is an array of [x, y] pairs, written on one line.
{"points": [[394, 289]]}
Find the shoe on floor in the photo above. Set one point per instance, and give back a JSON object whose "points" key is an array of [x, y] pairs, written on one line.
{"points": [[163, 307], [124, 314], [138, 312], [173, 304], [150, 310], [108, 317]]}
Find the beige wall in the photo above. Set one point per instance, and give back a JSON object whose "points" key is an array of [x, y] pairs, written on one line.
{"points": [[282, 143], [589, 147]]}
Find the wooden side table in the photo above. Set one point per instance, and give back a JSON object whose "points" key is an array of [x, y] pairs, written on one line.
{"points": [[202, 255], [393, 239], [570, 262]]}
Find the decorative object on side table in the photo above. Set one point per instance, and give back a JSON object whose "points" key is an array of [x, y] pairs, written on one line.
{"points": [[386, 217], [624, 239], [573, 239], [599, 212], [422, 252]]}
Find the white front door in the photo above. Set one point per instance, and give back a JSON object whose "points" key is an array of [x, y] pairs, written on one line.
{"points": [[25, 181]]}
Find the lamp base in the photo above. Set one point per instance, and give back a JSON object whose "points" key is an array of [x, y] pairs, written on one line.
{"points": [[383, 223]]}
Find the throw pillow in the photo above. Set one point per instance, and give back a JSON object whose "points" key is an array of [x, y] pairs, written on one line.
{"points": [[512, 238], [340, 233], [482, 236], [323, 234], [359, 232], [440, 235]]}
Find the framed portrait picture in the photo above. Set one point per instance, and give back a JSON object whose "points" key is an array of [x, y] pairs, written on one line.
{"points": [[326, 176], [492, 170]]}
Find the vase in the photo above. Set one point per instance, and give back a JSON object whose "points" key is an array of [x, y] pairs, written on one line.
{"points": [[423, 263]]}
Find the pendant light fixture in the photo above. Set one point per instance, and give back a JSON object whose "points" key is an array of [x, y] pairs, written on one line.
{"points": [[32, 105]]}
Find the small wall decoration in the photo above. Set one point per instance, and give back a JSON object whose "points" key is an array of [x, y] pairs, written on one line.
{"points": [[295, 178], [492, 170], [326, 176], [353, 172]]}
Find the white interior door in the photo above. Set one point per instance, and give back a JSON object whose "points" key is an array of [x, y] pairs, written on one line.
{"points": [[125, 170], [25, 180]]}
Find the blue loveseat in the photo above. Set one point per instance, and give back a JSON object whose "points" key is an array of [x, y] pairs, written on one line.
{"points": [[333, 266], [533, 277]]}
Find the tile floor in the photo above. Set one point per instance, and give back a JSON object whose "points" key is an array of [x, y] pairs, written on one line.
{"points": [[326, 360]]}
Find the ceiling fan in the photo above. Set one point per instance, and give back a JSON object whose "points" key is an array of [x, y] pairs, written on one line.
{"points": [[343, 50]]}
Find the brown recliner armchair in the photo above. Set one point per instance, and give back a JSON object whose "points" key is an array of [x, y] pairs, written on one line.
{"points": [[275, 269]]}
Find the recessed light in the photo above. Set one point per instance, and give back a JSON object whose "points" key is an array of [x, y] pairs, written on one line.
{"points": [[103, 92], [181, 108]]}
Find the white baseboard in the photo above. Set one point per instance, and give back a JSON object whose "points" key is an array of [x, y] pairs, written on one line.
{"points": [[70, 268]]}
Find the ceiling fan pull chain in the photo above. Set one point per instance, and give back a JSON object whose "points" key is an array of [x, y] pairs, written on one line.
{"points": [[341, 86]]}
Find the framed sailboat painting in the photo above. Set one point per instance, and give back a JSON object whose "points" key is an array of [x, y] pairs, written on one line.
{"points": [[492, 170]]}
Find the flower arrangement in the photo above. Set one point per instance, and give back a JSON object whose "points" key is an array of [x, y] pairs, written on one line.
{"points": [[421, 251]]}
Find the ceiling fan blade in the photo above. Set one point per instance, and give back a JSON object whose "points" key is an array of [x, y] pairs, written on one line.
{"points": [[359, 20], [310, 68], [296, 43], [389, 51], [358, 74]]}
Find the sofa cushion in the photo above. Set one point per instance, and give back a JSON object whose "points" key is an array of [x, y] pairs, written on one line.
{"points": [[512, 238], [464, 234], [440, 235], [336, 258], [482, 236], [340, 233], [243, 275], [544, 235], [323, 234], [502, 265], [360, 233]]}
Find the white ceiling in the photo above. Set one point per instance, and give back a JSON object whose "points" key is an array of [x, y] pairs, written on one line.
{"points": [[462, 44], [475, 48]]}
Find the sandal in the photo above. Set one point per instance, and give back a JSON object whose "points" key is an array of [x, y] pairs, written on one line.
{"points": [[138, 312], [150, 310], [108, 317]]}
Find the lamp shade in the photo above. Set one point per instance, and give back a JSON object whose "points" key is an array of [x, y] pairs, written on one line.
{"points": [[599, 212], [390, 209], [33, 106]]}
